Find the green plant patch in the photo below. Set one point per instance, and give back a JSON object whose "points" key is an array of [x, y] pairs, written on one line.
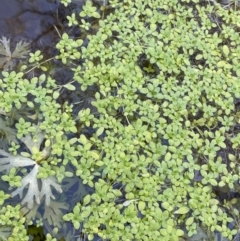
{"points": [[156, 140]]}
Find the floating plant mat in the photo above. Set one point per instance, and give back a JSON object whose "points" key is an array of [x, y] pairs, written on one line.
{"points": [[144, 144]]}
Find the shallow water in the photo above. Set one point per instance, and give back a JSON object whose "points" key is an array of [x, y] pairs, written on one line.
{"points": [[29, 20]]}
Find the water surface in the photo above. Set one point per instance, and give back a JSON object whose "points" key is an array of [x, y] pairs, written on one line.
{"points": [[30, 20]]}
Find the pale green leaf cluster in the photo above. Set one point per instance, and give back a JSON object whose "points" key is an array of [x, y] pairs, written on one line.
{"points": [[182, 92], [12, 224]]}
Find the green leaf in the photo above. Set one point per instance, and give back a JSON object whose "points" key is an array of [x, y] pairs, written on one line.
{"points": [[221, 64], [189, 221], [222, 144], [76, 225], [141, 205], [96, 15], [94, 154], [68, 174], [90, 237], [182, 210], [83, 139], [47, 143], [179, 232], [173, 149], [99, 163], [86, 199], [164, 232], [167, 206], [218, 228], [30, 104], [25, 154], [104, 37], [153, 27], [231, 157], [168, 157], [213, 182], [42, 77], [110, 195], [228, 66], [73, 129], [198, 57], [214, 208], [76, 210], [226, 50], [73, 140], [56, 94], [100, 131], [70, 86]]}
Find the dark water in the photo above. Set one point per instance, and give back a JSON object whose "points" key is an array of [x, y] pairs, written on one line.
{"points": [[30, 20]]}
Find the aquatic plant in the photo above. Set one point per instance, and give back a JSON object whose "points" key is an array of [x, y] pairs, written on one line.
{"points": [[158, 143], [8, 57], [9, 163]]}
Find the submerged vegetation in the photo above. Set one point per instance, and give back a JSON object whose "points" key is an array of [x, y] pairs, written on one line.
{"points": [[150, 125]]}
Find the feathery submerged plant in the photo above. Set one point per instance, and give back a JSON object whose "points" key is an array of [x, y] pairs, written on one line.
{"points": [[158, 142]]}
